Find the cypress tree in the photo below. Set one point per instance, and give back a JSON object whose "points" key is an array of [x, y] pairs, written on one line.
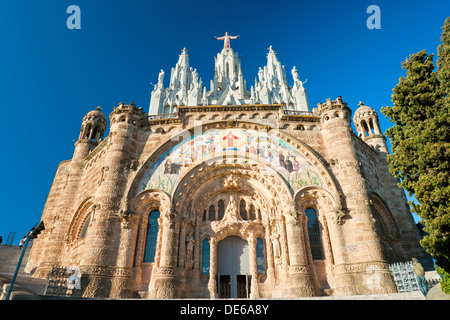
{"points": [[420, 140]]}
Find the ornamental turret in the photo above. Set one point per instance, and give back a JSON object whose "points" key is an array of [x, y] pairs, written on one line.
{"points": [[93, 128], [368, 127]]}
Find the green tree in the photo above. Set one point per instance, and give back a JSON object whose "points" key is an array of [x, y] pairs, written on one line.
{"points": [[420, 141]]}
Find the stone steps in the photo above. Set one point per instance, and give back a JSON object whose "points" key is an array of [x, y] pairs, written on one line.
{"points": [[32, 288], [9, 257]]}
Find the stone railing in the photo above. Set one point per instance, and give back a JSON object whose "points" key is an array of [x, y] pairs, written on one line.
{"points": [[297, 113], [162, 116]]}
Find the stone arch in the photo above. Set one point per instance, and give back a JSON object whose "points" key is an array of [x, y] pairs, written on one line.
{"points": [[141, 206], [86, 208], [386, 229], [385, 215], [205, 175], [190, 192], [151, 199], [315, 159], [313, 196], [324, 204]]}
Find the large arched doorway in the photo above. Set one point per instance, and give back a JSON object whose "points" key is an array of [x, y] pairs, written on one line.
{"points": [[233, 268]]}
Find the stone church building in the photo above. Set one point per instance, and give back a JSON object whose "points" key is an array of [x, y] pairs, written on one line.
{"points": [[227, 191]]}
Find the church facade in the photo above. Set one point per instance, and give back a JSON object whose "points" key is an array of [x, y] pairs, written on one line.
{"points": [[227, 193]]}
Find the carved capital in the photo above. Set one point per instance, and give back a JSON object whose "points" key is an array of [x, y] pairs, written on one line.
{"points": [[125, 218]]}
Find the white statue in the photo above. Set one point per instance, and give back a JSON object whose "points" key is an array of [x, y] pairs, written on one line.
{"points": [[261, 75], [161, 79], [194, 77], [295, 76]]}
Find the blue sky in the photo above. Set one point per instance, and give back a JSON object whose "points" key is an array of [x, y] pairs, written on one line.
{"points": [[50, 76]]}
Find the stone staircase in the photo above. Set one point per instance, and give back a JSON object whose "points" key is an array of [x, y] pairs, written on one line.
{"points": [[25, 285]]}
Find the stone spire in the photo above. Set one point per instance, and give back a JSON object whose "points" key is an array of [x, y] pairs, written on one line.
{"points": [[184, 88], [228, 86]]}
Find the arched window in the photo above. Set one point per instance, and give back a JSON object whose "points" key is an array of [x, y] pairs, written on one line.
{"points": [[243, 210], [212, 213], [378, 222], [87, 132], [252, 213], [85, 227], [221, 209], [260, 256], [205, 256], [94, 133], [365, 127], [152, 236], [315, 238], [371, 127]]}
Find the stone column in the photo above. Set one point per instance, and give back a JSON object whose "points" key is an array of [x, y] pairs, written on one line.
{"points": [[121, 282], [182, 252], [254, 292], [270, 258], [212, 287], [197, 267], [167, 285], [301, 280]]}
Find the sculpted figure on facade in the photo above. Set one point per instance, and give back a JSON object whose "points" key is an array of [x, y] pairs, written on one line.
{"points": [[190, 242]]}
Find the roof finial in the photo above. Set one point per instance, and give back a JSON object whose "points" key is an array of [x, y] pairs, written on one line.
{"points": [[360, 104]]}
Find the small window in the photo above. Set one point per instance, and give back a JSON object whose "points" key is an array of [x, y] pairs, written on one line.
{"points": [[221, 209], [85, 227], [87, 132], [260, 256], [212, 213], [94, 133], [365, 128], [252, 213], [205, 256], [315, 238], [152, 236], [378, 222], [243, 210]]}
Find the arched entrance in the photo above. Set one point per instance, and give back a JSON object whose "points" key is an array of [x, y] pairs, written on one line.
{"points": [[233, 187], [233, 268]]}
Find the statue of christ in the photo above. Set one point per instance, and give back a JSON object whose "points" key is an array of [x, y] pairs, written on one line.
{"points": [[226, 40]]}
